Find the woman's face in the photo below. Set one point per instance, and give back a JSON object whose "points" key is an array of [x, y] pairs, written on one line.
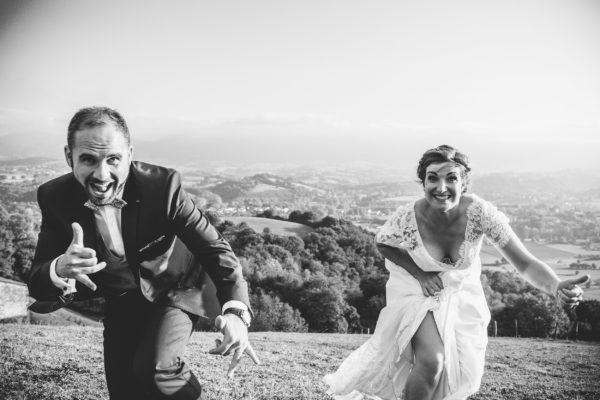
{"points": [[443, 185]]}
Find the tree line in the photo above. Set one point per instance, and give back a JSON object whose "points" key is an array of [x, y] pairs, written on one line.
{"points": [[331, 280]]}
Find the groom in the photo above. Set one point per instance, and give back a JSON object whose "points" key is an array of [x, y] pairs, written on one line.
{"points": [[129, 232]]}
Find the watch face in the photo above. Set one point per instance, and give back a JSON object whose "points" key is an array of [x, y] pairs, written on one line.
{"points": [[246, 317]]}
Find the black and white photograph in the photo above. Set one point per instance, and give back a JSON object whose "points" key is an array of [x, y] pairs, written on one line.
{"points": [[336, 199]]}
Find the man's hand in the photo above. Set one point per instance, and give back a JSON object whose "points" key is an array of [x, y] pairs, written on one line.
{"points": [[235, 339], [431, 283], [568, 291], [78, 261]]}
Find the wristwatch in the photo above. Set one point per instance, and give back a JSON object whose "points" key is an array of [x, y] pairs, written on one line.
{"points": [[244, 315]]}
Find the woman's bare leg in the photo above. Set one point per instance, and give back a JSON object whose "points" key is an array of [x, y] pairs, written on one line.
{"points": [[429, 361]]}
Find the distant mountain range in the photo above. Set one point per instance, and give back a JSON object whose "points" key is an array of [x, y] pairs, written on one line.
{"points": [[290, 182], [396, 153], [568, 182]]}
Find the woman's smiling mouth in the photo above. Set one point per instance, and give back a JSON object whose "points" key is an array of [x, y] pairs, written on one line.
{"points": [[442, 197]]}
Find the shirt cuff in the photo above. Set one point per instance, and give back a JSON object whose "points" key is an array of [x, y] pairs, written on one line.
{"points": [[67, 286], [234, 304]]}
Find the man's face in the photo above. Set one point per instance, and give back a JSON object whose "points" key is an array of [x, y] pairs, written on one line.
{"points": [[100, 161]]}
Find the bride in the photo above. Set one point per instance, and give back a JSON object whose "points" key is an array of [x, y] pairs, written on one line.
{"points": [[430, 339]]}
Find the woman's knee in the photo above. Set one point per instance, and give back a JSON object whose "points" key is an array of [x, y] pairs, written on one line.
{"points": [[431, 364]]}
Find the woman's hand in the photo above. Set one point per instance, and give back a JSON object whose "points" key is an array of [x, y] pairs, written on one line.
{"points": [[431, 283], [568, 291]]}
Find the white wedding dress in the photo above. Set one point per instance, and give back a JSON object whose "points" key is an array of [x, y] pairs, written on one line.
{"points": [[379, 368]]}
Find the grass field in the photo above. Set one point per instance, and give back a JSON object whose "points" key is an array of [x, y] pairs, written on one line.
{"points": [[541, 251], [60, 363], [62, 317]]}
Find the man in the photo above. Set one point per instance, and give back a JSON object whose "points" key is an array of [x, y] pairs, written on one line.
{"points": [[122, 229]]}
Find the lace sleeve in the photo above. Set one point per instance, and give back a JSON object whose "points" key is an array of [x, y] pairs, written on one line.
{"points": [[397, 231], [495, 224]]}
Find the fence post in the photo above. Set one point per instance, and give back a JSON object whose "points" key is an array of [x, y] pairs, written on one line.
{"points": [[576, 330], [495, 328], [516, 329]]}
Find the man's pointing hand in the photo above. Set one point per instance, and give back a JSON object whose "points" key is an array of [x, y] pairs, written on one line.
{"points": [[78, 261]]}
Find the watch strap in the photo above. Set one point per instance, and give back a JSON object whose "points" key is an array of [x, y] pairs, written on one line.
{"points": [[244, 315]]}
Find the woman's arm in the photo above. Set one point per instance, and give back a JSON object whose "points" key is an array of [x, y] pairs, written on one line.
{"points": [[539, 274], [431, 283]]}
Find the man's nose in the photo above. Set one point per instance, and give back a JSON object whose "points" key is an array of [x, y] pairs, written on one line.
{"points": [[102, 172]]}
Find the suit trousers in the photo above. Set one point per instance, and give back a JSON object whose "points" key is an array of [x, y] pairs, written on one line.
{"points": [[144, 345]]}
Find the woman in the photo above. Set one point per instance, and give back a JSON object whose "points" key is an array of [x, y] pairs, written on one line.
{"points": [[430, 338]]}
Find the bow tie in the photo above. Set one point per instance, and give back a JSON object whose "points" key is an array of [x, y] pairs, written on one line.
{"points": [[116, 203]]}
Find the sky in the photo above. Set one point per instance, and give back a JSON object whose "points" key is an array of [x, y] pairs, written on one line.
{"points": [[514, 84]]}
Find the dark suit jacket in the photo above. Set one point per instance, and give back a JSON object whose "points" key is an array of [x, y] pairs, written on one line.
{"points": [[158, 212]]}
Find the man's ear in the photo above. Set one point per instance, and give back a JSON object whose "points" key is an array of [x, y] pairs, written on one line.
{"points": [[69, 156], [130, 154]]}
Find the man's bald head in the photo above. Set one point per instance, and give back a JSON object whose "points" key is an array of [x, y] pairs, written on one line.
{"points": [[91, 117]]}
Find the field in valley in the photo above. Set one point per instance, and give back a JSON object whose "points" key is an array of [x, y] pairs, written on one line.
{"points": [[60, 363], [277, 227], [558, 257]]}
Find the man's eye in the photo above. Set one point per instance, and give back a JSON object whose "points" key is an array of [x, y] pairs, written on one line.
{"points": [[113, 160], [87, 160]]}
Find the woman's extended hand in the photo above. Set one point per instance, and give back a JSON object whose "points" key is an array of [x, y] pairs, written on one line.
{"points": [[431, 283], [568, 291]]}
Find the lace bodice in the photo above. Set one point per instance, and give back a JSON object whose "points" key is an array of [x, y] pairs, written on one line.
{"points": [[483, 219]]}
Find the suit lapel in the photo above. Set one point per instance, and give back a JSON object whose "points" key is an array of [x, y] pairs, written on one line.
{"points": [[129, 218]]}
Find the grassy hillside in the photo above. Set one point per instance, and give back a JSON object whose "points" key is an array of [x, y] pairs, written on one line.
{"points": [[283, 228], [44, 363], [63, 317]]}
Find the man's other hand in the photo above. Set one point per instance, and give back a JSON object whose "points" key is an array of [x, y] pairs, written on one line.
{"points": [[78, 261], [235, 340]]}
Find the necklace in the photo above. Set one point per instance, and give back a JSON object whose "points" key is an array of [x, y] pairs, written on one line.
{"points": [[448, 260]]}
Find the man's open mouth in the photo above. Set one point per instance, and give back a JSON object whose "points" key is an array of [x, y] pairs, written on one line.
{"points": [[100, 188]]}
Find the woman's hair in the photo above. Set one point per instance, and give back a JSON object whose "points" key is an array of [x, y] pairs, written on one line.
{"points": [[441, 154]]}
